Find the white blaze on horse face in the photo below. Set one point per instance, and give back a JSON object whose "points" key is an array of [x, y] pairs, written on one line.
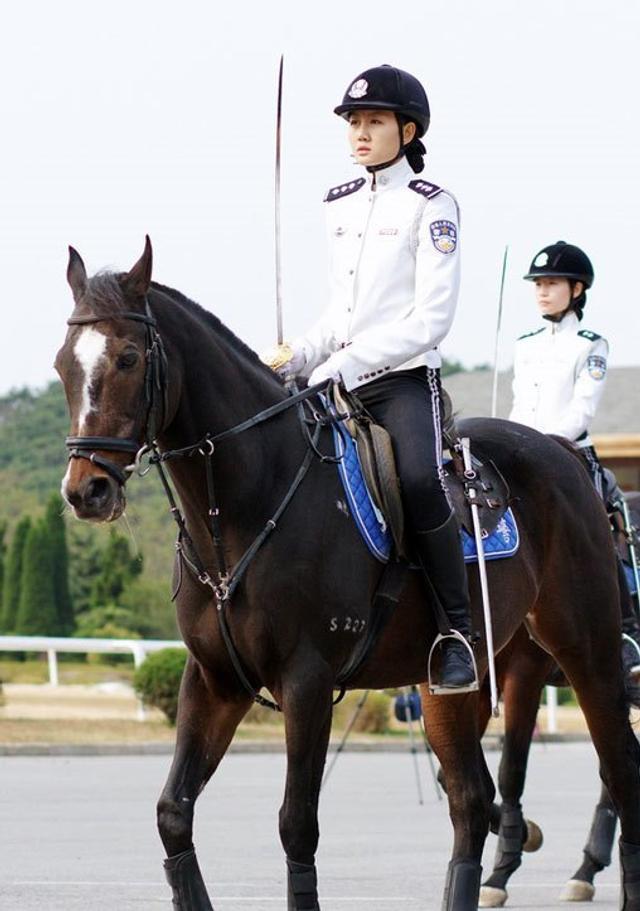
{"points": [[89, 349]]}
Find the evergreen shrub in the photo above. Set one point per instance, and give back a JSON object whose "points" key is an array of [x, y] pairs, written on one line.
{"points": [[157, 680]]}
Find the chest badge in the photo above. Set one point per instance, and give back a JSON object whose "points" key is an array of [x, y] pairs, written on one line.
{"points": [[444, 235], [339, 232], [388, 231]]}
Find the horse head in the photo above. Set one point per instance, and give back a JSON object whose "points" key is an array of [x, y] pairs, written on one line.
{"points": [[113, 369]]}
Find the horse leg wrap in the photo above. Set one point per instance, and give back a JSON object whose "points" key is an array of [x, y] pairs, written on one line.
{"points": [[603, 829], [629, 876], [184, 876], [509, 850], [462, 886], [302, 893]]}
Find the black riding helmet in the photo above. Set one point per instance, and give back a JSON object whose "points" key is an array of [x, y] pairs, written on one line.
{"points": [[386, 88], [562, 260]]}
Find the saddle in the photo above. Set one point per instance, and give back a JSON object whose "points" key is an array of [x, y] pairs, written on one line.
{"points": [[375, 452]]}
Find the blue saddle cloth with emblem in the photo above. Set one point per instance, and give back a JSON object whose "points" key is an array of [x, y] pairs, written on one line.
{"points": [[502, 542], [631, 578]]}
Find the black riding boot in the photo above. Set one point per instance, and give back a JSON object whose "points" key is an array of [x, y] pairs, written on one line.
{"points": [[440, 555], [630, 627]]}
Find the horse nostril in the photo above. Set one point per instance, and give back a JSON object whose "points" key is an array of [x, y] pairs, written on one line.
{"points": [[97, 493]]}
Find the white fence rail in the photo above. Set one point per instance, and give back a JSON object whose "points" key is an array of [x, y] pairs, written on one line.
{"points": [[140, 648], [53, 645]]}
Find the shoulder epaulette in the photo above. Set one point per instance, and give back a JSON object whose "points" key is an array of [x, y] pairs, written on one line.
{"points": [[529, 334], [587, 333], [424, 188], [344, 189]]}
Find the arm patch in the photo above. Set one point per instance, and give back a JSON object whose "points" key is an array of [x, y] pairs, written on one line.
{"points": [[430, 190], [344, 189]]}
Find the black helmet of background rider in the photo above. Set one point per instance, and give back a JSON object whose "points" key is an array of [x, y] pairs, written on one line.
{"points": [[386, 88], [563, 260]]}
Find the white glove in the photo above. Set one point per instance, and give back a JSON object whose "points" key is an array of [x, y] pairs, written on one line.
{"points": [[284, 359], [330, 370]]}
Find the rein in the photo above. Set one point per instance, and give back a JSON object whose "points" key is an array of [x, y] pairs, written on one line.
{"points": [[155, 391]]}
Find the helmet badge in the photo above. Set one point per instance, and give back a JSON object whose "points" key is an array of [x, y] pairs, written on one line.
{"points": [[541, 259], [359, 89]]}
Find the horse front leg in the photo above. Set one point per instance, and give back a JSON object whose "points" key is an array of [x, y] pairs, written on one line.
{"points": [[307, 707], [522, 682], [597, 851], [206, 723], [451, 723]]}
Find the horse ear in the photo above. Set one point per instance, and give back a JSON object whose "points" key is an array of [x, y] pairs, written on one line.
{"points": [[76, 274], [138, 278]]}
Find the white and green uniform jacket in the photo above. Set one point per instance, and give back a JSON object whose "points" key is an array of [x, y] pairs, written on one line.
{"points": [[559, 377]]}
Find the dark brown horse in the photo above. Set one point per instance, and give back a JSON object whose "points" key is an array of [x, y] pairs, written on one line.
{"points": [[141, 362], [522, 670]]}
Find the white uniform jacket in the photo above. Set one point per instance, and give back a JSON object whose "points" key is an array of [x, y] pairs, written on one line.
{"points": [[394, 276], [559, 376]]}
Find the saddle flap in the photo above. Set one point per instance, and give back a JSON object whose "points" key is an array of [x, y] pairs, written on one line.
{"points": [[492, 494], [375, 452]]}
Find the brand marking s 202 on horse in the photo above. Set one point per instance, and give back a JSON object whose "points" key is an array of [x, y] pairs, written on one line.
{"points": [[347, 625]]}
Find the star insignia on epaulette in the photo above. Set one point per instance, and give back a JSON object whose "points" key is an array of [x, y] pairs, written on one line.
{"points": [[425, 188], [587, 333], [344, 189]]}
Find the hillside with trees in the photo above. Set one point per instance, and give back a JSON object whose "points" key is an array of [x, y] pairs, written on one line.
{"points": [[59, 576]]}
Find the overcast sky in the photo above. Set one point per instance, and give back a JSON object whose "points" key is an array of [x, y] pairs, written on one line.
{"points": [[150, 116]]}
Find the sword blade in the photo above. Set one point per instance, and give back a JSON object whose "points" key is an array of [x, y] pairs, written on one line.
{"points": [[494, 393], [277, 207]]}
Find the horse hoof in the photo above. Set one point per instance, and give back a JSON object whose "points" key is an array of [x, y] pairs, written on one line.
{"points": [[576, 890], [490, 897], [534, 837]]}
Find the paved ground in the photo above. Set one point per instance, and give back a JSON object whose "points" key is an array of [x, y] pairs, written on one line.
{"points": [[78, 833]]}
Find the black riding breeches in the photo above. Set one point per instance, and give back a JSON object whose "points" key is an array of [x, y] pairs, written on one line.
{"points": [[407, 404]]}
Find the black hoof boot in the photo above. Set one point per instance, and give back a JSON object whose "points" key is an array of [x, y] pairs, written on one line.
{"points": [[462, 888], [302, 893], [184, 876], [629, 876], [456, 668]]}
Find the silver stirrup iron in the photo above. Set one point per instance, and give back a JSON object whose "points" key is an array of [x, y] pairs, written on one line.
{"points": [[437, 689]]}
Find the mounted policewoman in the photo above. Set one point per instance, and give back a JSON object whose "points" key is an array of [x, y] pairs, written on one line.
{"points": [[559, 377], [394, 278]]}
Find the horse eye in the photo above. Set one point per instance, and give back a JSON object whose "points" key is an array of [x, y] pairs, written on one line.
{"points": [[127, 360]]}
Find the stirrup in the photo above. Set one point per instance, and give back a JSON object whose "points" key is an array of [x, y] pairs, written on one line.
{"points": [[436, 689], [634, 670]]}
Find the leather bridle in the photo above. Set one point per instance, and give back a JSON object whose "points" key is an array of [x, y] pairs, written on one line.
{"points": [[153, 405]]}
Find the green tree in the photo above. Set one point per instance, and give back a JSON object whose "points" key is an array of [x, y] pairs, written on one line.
{"points": [[84, 564], [37, 614], [118, 568], [57, 533], [3, 557], [13, 576]]}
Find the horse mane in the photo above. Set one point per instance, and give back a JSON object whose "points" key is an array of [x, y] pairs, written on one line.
{"points": [[106, 297], [210, 319]]}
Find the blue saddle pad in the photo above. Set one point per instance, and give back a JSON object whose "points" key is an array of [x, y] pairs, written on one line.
{"points": [[631, 578], [503, 542]]}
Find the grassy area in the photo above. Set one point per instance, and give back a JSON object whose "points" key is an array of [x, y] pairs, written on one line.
{"points": [[36, 670]]}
